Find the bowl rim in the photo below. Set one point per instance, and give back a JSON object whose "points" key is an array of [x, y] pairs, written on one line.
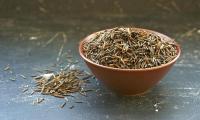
{"points": [[119, 69]]}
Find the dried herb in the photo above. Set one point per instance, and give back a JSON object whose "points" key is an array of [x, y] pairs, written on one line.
{"points": [[24, 90], [51, 40], [63, 105], [79, 102], [71, 107], [12, 79], [22, 76], [62, 84], [128, 48], [32, 92], [60, 53], [7, 67], [38, 101]]}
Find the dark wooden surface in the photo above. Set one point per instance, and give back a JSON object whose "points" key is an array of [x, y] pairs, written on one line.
{"points": [[176, 97]]}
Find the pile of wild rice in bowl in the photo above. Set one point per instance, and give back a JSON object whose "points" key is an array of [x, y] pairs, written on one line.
{"points": [[129, 48]]}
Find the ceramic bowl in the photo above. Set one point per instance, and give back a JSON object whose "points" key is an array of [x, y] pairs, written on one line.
{"points": [[129, 81]]}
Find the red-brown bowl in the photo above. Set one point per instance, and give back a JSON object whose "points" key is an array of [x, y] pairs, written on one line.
{"points": [[129, 81]]}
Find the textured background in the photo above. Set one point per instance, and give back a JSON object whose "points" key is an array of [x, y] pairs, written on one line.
{"points": [[26, 26]]}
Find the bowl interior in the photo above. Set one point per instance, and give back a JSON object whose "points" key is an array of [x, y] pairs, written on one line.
{"points": [[162, 36]]}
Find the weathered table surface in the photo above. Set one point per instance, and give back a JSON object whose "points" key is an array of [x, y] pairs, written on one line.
{"points": [[25, 29]]}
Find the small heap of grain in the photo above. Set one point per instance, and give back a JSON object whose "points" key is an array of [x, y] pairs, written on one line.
{"points": [[62, 84]]}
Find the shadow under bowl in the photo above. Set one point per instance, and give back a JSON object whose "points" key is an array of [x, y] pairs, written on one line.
{"points": [[129, 81]]}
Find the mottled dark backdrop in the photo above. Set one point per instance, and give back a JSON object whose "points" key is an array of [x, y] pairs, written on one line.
{"points": [[27, 25]]}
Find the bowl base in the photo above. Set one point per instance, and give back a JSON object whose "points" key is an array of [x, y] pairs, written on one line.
{"points": [[137, 94]]}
